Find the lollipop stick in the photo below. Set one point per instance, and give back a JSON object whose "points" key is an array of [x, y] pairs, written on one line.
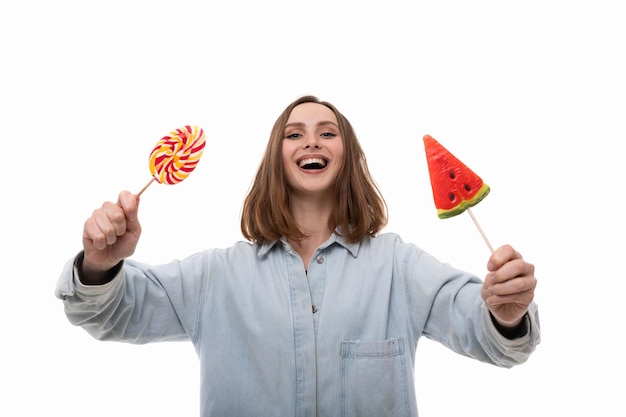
{"points": [[145, 187], [480, 229]]}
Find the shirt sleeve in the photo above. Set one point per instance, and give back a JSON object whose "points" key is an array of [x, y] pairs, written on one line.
{"points": [[446, 306], [140, 304]]}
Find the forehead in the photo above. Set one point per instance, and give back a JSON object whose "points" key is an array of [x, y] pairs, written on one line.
{"points": [[311, 113]]}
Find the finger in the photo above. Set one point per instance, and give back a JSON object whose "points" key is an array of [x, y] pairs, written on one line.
{"points": [[519, 299], [113, 222], [511, 269], [501, 256], [104, 226], [93, 237], [513, 286]]}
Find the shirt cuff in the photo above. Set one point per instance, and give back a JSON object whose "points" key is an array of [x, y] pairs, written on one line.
{"points": [[516, 332]]}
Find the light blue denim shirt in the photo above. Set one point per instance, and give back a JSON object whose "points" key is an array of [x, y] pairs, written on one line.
{"points": [[274, 340]]}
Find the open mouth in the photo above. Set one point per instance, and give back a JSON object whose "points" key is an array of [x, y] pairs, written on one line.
{"points": [[312, 163]]}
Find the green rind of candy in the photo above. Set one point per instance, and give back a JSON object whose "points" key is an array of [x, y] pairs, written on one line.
{"points": [[480, 195]]}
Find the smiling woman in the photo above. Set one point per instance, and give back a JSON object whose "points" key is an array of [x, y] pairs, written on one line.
{"points": [[311, 130], [317, 301]]}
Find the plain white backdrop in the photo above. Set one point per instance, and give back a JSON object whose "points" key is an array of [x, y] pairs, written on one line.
{"points": [[530, 95]]}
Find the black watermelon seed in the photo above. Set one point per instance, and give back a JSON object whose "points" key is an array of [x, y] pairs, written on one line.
{"points": [[467, 187], [451, 196]]}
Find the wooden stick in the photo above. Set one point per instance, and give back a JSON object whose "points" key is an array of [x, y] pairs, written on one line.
{"points": [[480, 229], [145, 187]]}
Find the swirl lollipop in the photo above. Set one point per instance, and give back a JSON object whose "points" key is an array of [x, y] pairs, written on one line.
{"points": [[176, 155]]}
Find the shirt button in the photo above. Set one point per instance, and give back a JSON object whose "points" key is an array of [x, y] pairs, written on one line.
{"points": [[319, 259], [314, 309]]}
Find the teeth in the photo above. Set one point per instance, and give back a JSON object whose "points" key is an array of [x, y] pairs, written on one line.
{"points": [[310, 161]]}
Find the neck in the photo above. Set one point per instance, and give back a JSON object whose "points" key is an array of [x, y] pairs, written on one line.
{"points": [[312, 220], [312, 217]]}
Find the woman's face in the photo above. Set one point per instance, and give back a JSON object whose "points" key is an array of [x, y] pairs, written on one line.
{"points": [[312, 150]]}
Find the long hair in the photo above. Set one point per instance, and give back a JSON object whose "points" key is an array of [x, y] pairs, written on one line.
{"points": [[360, 209]]}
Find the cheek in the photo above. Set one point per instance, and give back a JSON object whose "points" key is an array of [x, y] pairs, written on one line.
{"points": [[287, 150], [285, 157], [339, 154]]}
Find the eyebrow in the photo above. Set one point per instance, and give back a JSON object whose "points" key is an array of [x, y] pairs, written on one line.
{"points": [[323, 123]]}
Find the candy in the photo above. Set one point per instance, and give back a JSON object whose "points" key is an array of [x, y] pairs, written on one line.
{"points": [[455, 186], [176, 155]]}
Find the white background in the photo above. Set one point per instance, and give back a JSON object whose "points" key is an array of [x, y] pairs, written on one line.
{"points": [[530, 95]]}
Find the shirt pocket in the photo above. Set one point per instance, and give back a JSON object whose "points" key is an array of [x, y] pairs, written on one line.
{"points": [[374, 378]]}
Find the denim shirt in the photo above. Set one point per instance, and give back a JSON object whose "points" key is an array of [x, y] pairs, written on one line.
{"points": [[276, 340]]}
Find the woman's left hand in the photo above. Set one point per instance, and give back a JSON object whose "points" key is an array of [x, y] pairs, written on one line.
{"points": [[509, 287]]}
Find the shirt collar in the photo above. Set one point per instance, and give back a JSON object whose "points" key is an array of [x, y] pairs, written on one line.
{"points": [[352, 247]]}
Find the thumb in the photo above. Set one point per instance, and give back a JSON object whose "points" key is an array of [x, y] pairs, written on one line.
{"points": [[130, 204]]}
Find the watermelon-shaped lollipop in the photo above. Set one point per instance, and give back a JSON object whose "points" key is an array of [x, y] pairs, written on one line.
{"points": [[176, 155], [455, 187]]}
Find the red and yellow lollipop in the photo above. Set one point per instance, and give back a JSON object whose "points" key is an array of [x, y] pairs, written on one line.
{"points": [[176, 155]]}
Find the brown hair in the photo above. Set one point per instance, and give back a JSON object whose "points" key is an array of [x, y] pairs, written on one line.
{"points": [[360, 208]]}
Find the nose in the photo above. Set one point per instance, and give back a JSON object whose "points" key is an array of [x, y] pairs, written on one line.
{"points": [[311, 141]]}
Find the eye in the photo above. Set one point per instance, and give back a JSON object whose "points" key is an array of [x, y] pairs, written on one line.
{"points": [[293, 136], [328, 135]]}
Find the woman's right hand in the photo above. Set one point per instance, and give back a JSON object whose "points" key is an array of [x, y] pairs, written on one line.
{"points": [[110, 235]]}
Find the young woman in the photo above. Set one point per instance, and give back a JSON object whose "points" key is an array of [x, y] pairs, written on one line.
{"points": [[316, 314]]}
